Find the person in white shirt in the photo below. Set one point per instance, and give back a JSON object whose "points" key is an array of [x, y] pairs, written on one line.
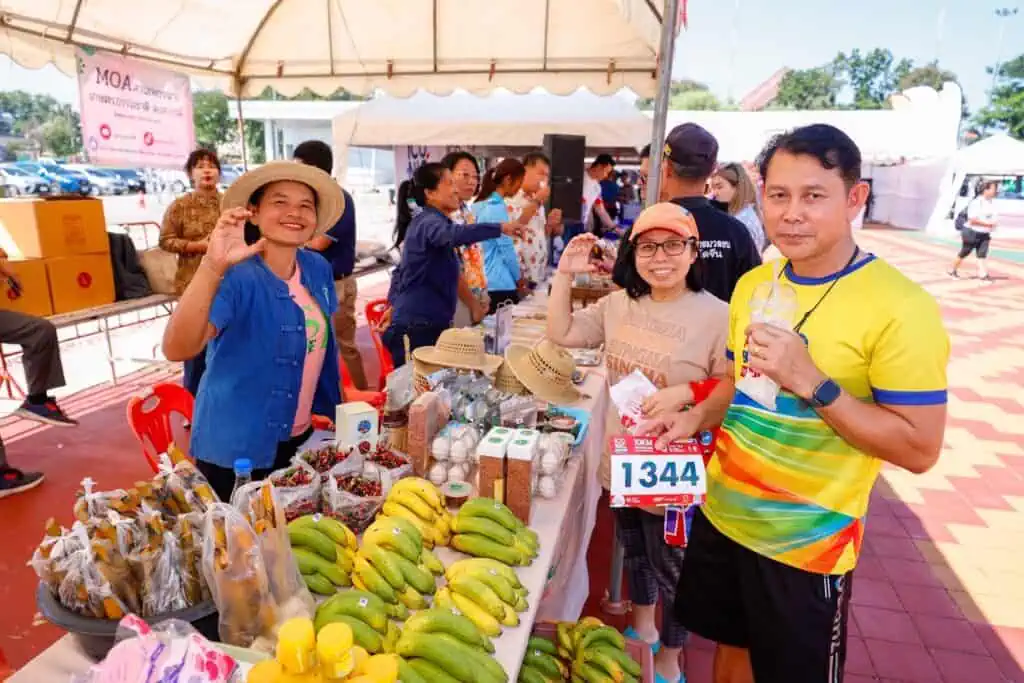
{"points": [[532, 247], [977, 233], [732, 186], [595, 217]]}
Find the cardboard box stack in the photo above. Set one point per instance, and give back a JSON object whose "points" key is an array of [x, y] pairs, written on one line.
{"points": [[58, 247]]}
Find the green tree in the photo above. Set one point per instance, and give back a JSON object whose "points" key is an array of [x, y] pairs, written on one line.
{"points": [[816, 88], [61, 134], [214, 124], [873, 76], [1005, 110], [255, 146], [678, 89]]}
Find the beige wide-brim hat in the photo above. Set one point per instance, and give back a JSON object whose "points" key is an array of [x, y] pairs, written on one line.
{"points": [[545, 370], [459, 348], [330, 200], [506, 382]]}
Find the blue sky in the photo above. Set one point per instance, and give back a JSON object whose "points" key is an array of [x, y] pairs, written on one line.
{"points": [[770, 34]]}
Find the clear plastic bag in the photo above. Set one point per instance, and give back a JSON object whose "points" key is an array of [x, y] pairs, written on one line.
{"points": [[166, 578], [234, 571], [92, 505], [353, 495], [297, 489], [181, 488], [552, 454], [82, 588], [393, 465], [774, 303], [324, 457], [189, 529], [628, 395], [264, 510]]}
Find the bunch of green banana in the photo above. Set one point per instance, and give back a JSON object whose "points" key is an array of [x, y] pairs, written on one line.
{"points": [[365, 614], [486, 591], [541, 663], [421, 504], [443, 646], [324, 550], [393, 565], [486, 528], [596, 653]]}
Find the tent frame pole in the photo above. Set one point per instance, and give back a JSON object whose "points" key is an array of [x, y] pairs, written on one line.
{"points": [[613, 603], [241, 124]]}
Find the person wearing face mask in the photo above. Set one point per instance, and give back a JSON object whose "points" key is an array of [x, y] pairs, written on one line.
{"points": [[472, 291], [186, 229], [424, 285], [532, 249], [263, 312], [501, 263], [732, 186], [664, 324]]}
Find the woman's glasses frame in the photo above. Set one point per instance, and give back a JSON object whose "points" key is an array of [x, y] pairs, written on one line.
{"points": [[671, 247]]}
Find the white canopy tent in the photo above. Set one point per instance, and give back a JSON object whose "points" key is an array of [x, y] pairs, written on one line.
{"points": [[398, 46], [998, 155], [496, 124]]}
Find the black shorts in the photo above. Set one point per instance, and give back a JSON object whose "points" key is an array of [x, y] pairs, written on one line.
{"points": [[974, 241], [793, 622]]}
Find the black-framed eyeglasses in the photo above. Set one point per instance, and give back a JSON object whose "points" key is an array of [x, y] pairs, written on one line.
{"points": [[670, 247]]}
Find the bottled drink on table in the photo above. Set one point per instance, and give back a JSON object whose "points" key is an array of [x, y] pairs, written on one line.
{"points": [[243, 475]]}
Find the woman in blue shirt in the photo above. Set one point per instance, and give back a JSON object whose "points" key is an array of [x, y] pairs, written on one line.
{"points": [[424, 285], [501, 263], [263, 312]]}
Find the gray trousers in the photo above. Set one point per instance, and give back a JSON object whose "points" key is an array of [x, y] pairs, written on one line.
{"points": [[41, 353]]}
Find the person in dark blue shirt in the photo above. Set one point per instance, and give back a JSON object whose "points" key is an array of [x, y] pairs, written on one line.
{"points": [[338, 246], [423, 286]]}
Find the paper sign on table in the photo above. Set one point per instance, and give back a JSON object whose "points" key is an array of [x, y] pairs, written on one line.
{"points": [[646, 476]]}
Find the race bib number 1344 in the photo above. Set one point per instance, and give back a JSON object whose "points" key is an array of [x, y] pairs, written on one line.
{"points": [[644, 476]]}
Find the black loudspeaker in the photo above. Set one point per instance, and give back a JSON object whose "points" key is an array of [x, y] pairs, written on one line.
{"points": [[567, 154]]}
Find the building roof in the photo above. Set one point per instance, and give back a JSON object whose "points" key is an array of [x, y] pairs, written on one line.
{"points": [[763, 95]]}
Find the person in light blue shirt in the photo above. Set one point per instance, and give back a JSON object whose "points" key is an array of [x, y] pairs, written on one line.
{"points": [[501, 263]]}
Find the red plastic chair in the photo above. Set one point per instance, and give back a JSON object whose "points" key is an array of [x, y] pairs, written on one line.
{"points": [[352, 394], [374, 315], [149, 417]]}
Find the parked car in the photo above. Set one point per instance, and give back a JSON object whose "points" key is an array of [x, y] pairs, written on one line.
{"points": [[133, 179], [23, 183], [102, 181], [56, 175]]}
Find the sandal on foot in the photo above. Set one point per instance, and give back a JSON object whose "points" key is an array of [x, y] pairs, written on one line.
{"points": [[631, 632]]}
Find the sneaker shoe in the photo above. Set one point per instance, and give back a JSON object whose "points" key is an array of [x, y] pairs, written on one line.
{"points": [[953, 273], [47, 413], [15, 481]]}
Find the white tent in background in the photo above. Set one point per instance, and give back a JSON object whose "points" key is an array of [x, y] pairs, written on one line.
{"points": [[498, 124], [998, 155], [399, 46]]}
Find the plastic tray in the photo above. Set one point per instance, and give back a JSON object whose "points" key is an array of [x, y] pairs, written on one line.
{"points": [[582, 418], [97, 635], [639, 651]]}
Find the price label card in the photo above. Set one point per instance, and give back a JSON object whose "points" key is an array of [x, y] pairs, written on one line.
{"points": [[645, 476]]}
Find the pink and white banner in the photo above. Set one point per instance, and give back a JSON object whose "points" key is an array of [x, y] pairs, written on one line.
{"points": [[134, 114]]}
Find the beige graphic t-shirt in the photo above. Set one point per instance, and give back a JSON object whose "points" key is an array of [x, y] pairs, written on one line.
{"points": [[671, 342]]}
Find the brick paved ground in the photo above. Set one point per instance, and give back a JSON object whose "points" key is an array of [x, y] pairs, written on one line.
{"points": [[939, 594]]}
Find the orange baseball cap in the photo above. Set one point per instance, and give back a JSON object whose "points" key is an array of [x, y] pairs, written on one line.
{"points": [[665, 216]]}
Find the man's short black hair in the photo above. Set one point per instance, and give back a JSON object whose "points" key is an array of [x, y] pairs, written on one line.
{"points": [[833, 149], [315, 153], [645, 151], [198, 155], [603, 160], [532, 158]]}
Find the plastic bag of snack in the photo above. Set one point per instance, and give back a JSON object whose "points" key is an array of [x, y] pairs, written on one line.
{"points": [[91, 504], [297, 487], [167, 577], [181, 488], [82, 588], [189, 531], [353, 494], [261, 504], [115, 569], [234, 571], [324, 457]]}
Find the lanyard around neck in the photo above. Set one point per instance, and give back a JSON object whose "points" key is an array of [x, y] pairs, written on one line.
{"points": [[839, 276]]}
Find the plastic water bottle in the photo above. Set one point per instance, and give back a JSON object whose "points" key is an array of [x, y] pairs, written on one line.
{"points": [[243, 475]]}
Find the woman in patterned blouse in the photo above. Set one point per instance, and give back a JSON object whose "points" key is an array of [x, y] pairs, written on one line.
{"points": [[188, 222]]}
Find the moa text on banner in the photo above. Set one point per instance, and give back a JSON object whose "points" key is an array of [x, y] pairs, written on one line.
{"points": [[134, 114]]}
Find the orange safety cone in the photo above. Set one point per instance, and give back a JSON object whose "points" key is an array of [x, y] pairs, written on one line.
{"points": [[142, 200]]}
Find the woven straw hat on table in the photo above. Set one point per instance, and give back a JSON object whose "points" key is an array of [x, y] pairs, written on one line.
{"points": [[459, 348], [420, 372], [505, 381], [545, 370]]}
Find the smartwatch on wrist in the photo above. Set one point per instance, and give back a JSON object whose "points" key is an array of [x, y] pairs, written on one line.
{"points": [[825, 394]]}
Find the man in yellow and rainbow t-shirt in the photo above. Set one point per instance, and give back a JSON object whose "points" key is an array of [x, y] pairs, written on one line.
{"points": [[767, 572]]}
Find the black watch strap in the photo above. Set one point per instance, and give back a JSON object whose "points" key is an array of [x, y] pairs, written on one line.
{"points": [[825, 394]]}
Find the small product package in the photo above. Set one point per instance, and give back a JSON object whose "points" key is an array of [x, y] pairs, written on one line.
{"points": [[519, 476], [774, 303], [357, 425], [628, 396], [491, 453], [353, 494], [426, 417]]}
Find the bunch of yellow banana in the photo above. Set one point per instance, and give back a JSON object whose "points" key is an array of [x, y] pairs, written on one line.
{"points": [[393, 564], [486, 528], [421, 504], [324, 550], [596, 653], [486, 591]]}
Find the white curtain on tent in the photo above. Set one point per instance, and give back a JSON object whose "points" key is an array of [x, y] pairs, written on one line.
{"points": [[998, 155]]}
